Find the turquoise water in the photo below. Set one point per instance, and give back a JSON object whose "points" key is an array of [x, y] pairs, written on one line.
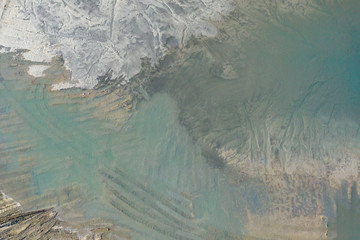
{"points": [[151, 161], [293, 96]]}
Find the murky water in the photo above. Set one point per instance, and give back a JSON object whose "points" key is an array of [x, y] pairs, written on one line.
{"points": [[296, 81], [285, 100]]}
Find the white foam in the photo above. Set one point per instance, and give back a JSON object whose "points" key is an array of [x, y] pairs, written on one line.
{"points": [[37, 70], [64, 85], [9, 199]]}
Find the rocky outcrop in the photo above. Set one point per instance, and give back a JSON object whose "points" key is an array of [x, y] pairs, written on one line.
{"points": [[40, 224]]}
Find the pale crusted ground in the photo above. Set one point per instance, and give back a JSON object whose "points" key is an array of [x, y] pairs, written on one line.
{"points": [[96, 36]]}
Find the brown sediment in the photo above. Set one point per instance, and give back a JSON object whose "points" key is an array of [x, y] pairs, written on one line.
{"points": [[278, 226], [57, 71]]}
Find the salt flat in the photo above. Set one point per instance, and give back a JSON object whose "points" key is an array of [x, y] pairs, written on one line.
{"points": [[96, 36]]}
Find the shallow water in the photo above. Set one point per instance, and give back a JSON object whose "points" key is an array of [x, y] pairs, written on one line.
{"points": [[151, 161], [287, 99]]}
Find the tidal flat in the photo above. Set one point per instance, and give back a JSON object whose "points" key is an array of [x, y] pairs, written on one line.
{"points": [[253, 134]]}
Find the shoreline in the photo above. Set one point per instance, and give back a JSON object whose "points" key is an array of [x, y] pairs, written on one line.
{"points": [[101, 55], [308, 182]]}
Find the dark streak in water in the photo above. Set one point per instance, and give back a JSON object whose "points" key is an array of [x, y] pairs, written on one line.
{"points": [[146, 202]]}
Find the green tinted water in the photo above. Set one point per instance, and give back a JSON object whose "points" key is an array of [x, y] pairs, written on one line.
{"points": [[347, 223], [151, 161], [298, 80]]}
